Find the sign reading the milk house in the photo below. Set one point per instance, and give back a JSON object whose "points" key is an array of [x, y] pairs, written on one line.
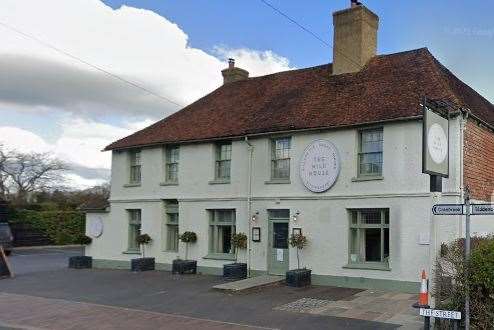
{"points": [[435, 155], [319, 166]]}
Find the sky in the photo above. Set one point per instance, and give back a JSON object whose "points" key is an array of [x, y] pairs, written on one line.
{"points": [[53, 99]]}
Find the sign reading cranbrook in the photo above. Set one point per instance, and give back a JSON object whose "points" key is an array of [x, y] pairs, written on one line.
{"points": [[319, 166]]}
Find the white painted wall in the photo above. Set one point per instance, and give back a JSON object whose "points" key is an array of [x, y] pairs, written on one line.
{"points": [[324, 216]]}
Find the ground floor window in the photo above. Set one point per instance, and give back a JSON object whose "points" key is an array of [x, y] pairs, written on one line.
{"points": [[369, 236], [170, 232], [221, 230], [134, 229]]}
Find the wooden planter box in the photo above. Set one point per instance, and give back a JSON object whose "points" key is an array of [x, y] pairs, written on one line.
{"points": [[80, 262], [142, 264], [298, 277], [235, 271], [184, 266]]}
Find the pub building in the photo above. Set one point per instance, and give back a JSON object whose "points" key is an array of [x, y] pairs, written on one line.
{"points": [[352, 154]]}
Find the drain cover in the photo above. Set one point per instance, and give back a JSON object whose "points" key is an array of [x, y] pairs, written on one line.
{"points": [[304, 305]]}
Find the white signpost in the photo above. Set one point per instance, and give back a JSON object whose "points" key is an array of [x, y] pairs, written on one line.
{"points": [[437, 313], [467, 209]]}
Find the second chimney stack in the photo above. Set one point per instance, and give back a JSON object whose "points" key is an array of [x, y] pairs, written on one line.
{"points": [[355, 38], [232, 74]]}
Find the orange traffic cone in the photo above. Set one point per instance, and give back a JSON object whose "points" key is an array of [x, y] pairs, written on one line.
{"points": [[424, 291]]}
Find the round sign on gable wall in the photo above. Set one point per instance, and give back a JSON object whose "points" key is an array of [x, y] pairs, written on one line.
{"points": [[96, 227], [320, 166]]}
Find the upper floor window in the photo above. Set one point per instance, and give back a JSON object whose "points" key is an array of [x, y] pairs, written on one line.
{"points": [[280, 158], [135, 166], [370, 157], [172, 156], [223, 161]]}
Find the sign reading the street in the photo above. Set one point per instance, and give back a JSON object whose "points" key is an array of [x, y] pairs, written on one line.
{"points": [[448, 209], [452, 315], [483, 209]]}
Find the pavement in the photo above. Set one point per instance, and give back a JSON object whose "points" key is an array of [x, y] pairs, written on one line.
{"points": [[45, 294]]}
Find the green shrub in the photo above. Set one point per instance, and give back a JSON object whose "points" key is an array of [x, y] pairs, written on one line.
{"points": [[59, 226], [239, 241], [298, 241], [451, 280], [84, 240], [188, 237]]}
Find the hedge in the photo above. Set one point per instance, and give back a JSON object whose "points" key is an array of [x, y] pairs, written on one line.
{"points": [[61, 227], [451, 280]]}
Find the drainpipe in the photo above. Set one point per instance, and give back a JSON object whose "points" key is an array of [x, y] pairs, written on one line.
{"points": [[250, 149], [463, 127]]}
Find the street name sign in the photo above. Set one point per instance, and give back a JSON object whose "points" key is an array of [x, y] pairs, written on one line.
{"points": [[437, 313], [448, 209], [483, 209]]}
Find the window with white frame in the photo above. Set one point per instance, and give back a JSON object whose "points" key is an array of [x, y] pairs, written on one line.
{"points": [[170, 232], [223, 161], [134, 229], [221, 230], [280, 158], [369, 236], [172, 157], [135, 166], [370, 156]]}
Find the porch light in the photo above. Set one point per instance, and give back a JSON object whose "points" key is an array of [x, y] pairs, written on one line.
{"points": [[295, 216], [255, 216]]}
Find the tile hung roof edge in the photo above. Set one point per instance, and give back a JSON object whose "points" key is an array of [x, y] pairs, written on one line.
{"points": [[238, 137]]}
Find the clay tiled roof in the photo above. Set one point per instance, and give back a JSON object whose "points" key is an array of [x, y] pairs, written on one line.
{"points": [[390, 87]]}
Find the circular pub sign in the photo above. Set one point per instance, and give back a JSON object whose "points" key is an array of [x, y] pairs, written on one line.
{"points": [[437, 143], [319, 166], [96, 227]]}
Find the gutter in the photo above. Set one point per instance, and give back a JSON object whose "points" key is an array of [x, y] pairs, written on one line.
{"points": [[286, 131]]}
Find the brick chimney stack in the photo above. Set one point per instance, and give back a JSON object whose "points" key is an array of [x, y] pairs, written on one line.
{"points": [[232, 74], [355, 38]]}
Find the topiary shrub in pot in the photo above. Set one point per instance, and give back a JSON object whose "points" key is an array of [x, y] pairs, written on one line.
{"points": [[81, 262], [236, 270], [301, 276], [186, 266], [143, 263]]}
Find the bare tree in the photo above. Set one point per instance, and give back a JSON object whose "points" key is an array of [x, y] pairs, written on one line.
{"points": [[30, 172], [4, 191]]}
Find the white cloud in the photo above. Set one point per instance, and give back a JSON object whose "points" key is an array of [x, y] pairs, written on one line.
{"points": [[136, 44]]}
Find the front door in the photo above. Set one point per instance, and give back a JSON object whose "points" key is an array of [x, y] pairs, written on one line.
{"points": [[278, 246]]}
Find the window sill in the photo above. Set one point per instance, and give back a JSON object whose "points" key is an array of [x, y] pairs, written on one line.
{"points": [[368, 266], [367, 178], [220, 256], [132, 252], [168, 183], [278, 181], [170, 251], [128, 185], [219, 181]]}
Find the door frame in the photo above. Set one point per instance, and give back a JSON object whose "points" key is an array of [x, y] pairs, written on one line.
{"points": [[269, 253]]}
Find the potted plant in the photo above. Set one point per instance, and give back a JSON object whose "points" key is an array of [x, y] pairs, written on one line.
{"points": [[236, 270], [80, 262], [143, 263], [185, 266], [301, 276]]}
